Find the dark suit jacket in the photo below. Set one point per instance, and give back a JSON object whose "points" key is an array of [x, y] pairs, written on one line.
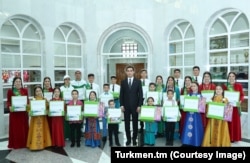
{"points": [[131, 98]]}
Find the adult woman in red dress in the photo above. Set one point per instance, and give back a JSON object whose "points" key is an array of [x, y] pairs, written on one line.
{"points": [[235, 124], [57, 123], [206, 84], [186, 90], [18, 121]]}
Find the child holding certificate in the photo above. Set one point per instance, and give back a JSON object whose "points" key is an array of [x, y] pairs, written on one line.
{"points": [[104, 98], [18, 120], [193, 131], [171, 85], [92, 127], [75, 125], [113, 127], [57, 128], [39, 125], [217, 132], [170, 125], [66, 89], [206, 85], [150, 127]]}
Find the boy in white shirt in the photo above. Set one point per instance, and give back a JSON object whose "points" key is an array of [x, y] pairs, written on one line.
{"points": [[169, 125], [115, 89], [113, 127], [104, 97]]}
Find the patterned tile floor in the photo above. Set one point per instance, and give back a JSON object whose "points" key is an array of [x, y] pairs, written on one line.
{"points": [[67, 154]]}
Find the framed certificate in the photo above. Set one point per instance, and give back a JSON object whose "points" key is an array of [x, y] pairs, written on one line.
{"points": [[18, 103], [158, 113], [182, 97], [74, 113], [208, 94], [67, 95], [216, 110], [191, 103], [202, 105], [105, 100], [56, 108], [91, 109], [155, 95], [48, 95], [80, 93], [171, 113], [116, 95], [232, 96], [38, 107], [114, 115], [147, 113], [228, 112]]}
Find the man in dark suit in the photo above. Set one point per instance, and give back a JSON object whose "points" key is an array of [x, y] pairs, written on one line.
{"points": [[131, 99]]}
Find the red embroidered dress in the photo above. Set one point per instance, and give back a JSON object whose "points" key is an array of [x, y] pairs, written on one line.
{"points": [[18, 122], [235, 124], [57, 129]]}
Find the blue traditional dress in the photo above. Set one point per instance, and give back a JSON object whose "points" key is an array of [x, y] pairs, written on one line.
{"points": [[149, 137], [92, 132], [193, 130]]}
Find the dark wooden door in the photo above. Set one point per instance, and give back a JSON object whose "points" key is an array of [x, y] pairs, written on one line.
{"points": [[120, 71]]}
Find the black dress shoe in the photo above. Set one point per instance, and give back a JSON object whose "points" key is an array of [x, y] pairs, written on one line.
{"points": [[104, 138], [110, 144], [72, 145], [128, 143], [118, 144]]}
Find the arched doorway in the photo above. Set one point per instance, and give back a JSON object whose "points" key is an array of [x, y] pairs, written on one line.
{"points": [[121, 45]]}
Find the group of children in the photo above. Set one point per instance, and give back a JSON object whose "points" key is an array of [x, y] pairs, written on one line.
{"points": [[38, 132], [193, 133], [151, 127], [44, 131]]}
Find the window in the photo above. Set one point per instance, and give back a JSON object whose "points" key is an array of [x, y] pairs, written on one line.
{"points": [[21, 53], [182, 48], [129, 50], [229, 49], [67, 52]]}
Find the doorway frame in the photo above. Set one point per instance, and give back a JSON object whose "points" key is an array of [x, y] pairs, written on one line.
{"points": [[104, 57]]}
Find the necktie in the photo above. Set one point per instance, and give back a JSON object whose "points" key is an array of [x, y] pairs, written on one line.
{"points": [[177, 82], [196, 78], [113, 88], [91, 86], [129, 83], [143, 82]]}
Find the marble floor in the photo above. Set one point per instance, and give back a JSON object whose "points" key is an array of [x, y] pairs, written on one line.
{"points": [[83, 154]]}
